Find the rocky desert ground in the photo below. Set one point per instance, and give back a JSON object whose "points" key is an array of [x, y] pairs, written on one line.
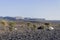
{"points": [[32, 35], [28, 31]]}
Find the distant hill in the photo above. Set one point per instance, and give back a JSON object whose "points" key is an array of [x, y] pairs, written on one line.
{"points": [[26, 19]]}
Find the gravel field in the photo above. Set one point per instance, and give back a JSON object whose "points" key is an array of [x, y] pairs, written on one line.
{"points": [[32, 35]]}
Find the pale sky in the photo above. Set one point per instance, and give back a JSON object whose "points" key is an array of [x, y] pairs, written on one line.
{"points": [[48, 9]]}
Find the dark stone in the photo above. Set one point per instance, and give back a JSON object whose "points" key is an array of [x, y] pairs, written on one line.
{"points": [[40, 27]]}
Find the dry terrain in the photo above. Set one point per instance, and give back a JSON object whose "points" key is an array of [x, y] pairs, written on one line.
{"points": [[28, 31]]}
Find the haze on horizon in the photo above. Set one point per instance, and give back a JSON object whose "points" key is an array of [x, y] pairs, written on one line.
{"points": [[48, 9]]}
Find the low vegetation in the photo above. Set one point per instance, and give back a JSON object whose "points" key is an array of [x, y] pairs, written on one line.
{"points": [[32, 31], [11, 25]]}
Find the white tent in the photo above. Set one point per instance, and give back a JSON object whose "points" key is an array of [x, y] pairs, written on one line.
{"points": [[51, 28]]}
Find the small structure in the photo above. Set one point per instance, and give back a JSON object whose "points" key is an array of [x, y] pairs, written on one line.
{"points": [[50, 28]]}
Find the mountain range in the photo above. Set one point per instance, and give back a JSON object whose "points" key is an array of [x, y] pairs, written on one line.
{"points": [[28, 19]]}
